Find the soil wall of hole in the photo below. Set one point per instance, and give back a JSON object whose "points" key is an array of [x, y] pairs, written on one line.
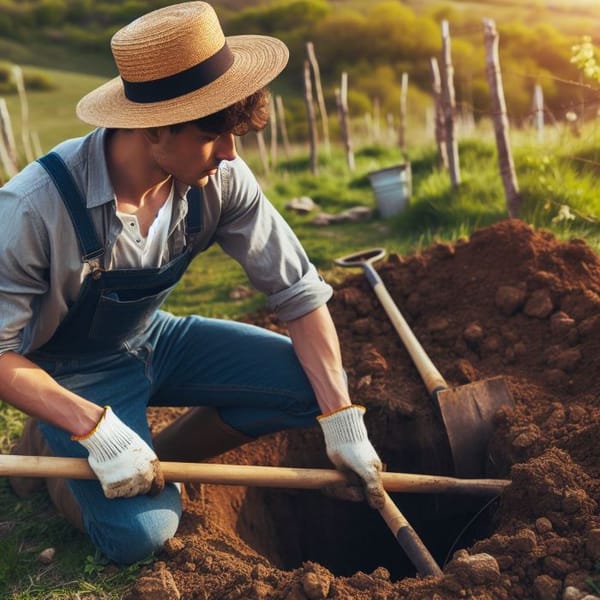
{"points": [[508, 301]]}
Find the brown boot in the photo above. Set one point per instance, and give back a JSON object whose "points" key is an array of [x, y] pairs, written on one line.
{"points": [[65, 503], [33, 443], [197, 435]]}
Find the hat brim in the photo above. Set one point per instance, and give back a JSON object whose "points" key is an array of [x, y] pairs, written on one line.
{"points": [[257, 61]]}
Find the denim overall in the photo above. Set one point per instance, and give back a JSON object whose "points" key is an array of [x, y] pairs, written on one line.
{"points": [[115, 346]]}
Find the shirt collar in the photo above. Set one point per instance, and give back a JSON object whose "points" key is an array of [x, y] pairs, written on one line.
{"points": [[99, 187]]}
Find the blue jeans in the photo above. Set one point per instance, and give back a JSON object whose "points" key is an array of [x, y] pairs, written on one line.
{"points": [[251, 375]]}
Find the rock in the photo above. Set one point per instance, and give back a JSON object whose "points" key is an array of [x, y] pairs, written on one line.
{"points": [[509, 299], [316, 584], [546, 588], [372, 363], [556, 377], [157, 586], [561, 323], [477, 568], [572, 593], [543, 525], [473, 334], [362, 326], [47, 555], [436, 324], [240, 292], [539, 304], [525, 540], [566, 360], [172, 546], [573, 501], [525, 439], [592, 544], [302, 205], [492, 343]]}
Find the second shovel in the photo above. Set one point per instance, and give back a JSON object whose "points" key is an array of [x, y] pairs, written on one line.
{"points": [[467, 411]]}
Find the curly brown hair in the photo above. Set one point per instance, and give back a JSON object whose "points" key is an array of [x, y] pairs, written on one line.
{"points": [[249, 114]]}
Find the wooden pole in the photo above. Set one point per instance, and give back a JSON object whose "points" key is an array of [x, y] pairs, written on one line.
{"points": [[8, 150], [25, 135], [449, 100], [341, 98], [273, 132], [538, 111], [262, 150], [438, 119], [312, 59], [312, 126], [403, 104], [376, 119], [252, 475], [282, 126], [500, 117]]}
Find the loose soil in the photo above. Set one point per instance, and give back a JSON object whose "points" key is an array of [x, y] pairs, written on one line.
{"points": [[509, 301]]}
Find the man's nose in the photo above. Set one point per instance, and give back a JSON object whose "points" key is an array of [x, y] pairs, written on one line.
{"points": [[225, 147]]}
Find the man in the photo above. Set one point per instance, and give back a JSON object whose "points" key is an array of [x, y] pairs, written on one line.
{"points": [[99, 231]]}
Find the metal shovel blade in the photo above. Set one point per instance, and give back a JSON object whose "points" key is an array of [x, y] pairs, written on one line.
{"points": [[468, 412]]}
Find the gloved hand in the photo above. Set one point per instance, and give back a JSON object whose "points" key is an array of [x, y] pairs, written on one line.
{"points": [[125, 465], [349, 449]]}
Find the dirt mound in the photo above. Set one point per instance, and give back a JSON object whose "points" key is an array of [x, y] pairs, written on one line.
{"points": [[509, 301]]}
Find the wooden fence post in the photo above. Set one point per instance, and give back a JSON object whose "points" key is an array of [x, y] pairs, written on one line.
{"points": [[403, 102], [262, 151], [538, 111], [8, 150], [449, 100], [312, 126], [282, 127], [501, 128], [438, 119], [376, 119], [25, 135], [310, 51], [341, 98], [273, 132]]}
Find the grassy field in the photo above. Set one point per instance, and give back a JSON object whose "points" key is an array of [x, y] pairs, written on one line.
{"points": [[558, 178]]}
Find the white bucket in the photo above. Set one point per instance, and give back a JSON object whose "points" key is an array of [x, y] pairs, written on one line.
{"points": [[392, 187]]}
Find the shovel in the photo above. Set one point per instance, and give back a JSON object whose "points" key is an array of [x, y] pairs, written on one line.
{"points": [[467, 411]]}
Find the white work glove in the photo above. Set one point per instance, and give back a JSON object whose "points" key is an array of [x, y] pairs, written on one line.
{"points": [[125, 465], [349, 449]]}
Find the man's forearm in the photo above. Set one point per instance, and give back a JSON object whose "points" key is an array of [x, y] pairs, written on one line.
{"points": [[317, 346], [29, 388]]}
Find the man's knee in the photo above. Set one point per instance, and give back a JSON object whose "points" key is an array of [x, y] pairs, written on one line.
{"points": [[140, 533]]}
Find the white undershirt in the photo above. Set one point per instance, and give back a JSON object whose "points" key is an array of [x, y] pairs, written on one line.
{"points": [[134, 251]]}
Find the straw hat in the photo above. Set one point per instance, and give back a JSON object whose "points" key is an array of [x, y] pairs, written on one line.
{"points": [[176, 65]]}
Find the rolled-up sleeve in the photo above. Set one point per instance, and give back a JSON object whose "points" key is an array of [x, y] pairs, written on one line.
{"points": [[24, 265], [254, 233]]}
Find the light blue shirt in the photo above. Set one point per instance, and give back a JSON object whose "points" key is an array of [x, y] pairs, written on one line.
{"points": [[41, 270]]}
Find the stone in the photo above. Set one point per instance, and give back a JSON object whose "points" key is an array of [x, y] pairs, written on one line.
{"points": [[509, 299], [546, 588], [477, 568], [592, 544], [539, 304]]}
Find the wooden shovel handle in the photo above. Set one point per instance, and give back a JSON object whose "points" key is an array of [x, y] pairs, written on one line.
{"points": [[431, 376], [250, 475], [409, 540]]}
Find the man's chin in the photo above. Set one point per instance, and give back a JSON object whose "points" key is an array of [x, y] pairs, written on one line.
{"points": [[202, 181]]}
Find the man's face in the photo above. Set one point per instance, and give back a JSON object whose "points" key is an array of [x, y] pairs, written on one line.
{"points": [[190, 154]]}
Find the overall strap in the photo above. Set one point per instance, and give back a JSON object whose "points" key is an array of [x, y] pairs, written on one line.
{"points": [[89, 244], [193, 219]]}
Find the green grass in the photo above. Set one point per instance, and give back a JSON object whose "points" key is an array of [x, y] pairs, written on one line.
{"points": [[560, 172]]}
